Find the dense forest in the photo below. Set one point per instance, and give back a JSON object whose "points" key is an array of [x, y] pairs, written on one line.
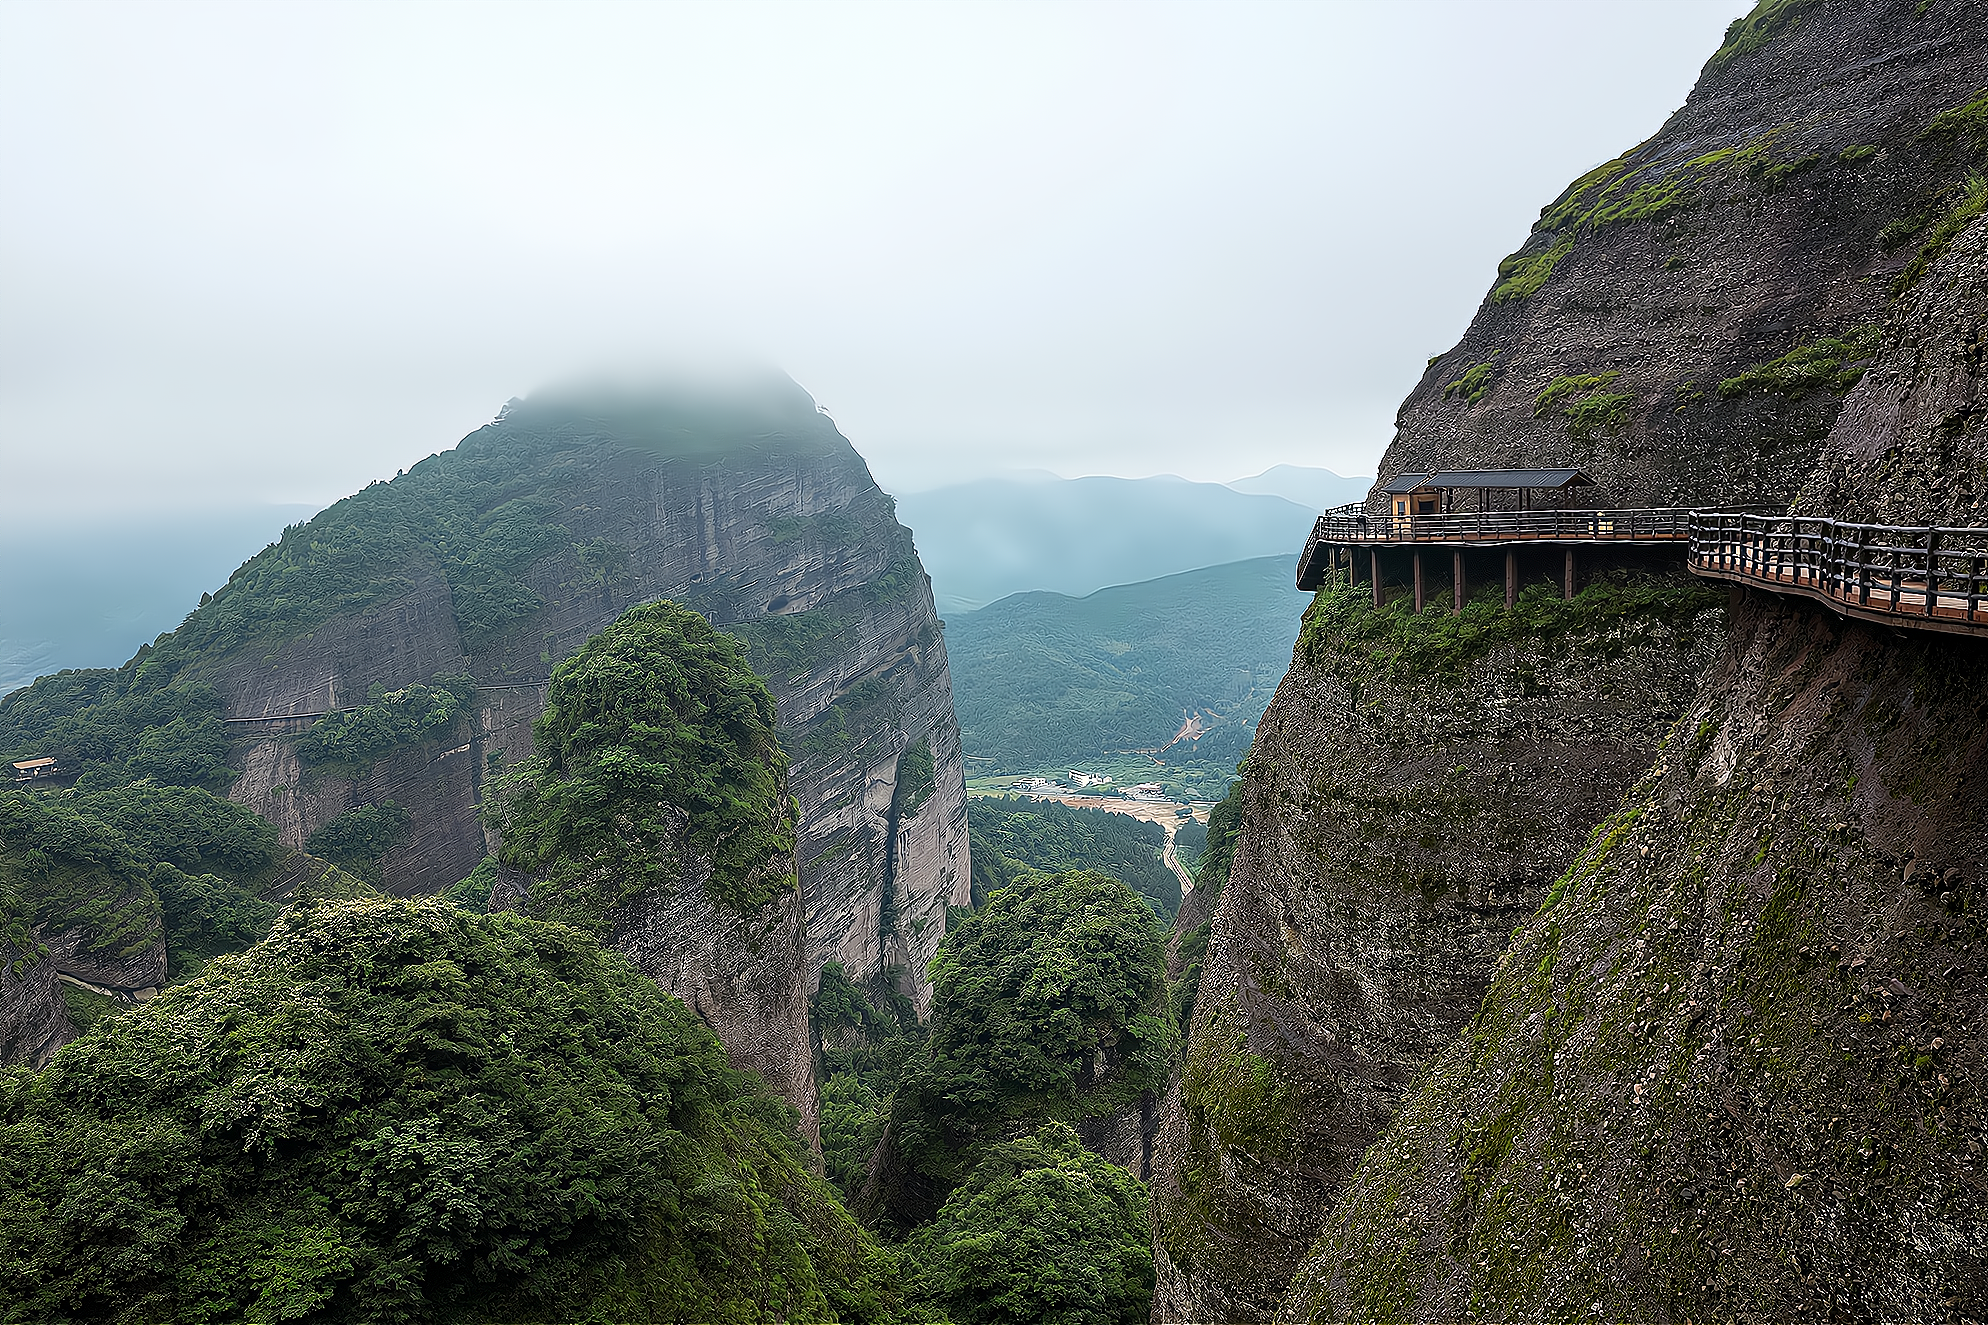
{"points": [[1011, 833], [364, 1109], [1051, 1006], [1043, 681], [656, 738], [402, 1111]]}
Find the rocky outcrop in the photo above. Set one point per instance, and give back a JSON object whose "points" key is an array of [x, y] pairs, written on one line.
{"points": [[1583, 1116], [1411, 797], [756, 513], [34, 1022], [1732, 1069], [1769, 214]]}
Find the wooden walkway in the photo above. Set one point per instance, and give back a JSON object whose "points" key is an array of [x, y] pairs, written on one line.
{"points": [[1924, 578], [1918, 577], [1346, 528]]}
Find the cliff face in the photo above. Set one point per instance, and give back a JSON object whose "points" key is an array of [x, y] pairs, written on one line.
{"points": [[537, 531], [1768, 215], [1731, 1069], [1411, 797], [1692, 315]]}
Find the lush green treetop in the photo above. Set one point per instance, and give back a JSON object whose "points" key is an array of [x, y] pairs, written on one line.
{"points": [[393, 1111], [1028, 991], [1045, 835], [655, 733], [1041, 1231]]}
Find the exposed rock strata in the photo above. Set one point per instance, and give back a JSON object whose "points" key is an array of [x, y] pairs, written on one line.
{"points": [[1517, 1184], [1398, 822], [782, 531]]}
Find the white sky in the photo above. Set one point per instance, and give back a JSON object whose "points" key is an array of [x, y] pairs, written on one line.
{"points": [[271, 252]]}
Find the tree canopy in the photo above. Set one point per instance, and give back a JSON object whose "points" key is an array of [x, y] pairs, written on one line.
{"points": [[393, 1111], [654, 734], [1048, 1003], [1041, 1231]]}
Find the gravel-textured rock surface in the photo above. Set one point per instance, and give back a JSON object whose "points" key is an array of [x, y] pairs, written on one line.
{"points": [[1753, 223], [1603, 1132]]}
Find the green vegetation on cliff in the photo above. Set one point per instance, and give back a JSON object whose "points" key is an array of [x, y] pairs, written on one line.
{"points": [[1609, 614], [1756, 28], [865, 1039], [1041, 1230], [394, 1111], [1589, 410], [1830, 363], [656, 738], [351, 740], [131, 865], [1476, 380], [1048, 1004], [1046, 836], [357, 839], [114, 727]]}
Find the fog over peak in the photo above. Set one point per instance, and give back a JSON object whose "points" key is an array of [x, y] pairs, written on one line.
{"points": [[274, 252]]}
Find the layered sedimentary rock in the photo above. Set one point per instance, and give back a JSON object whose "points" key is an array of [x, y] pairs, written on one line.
{"points": [[754, 511], [1682, 325], [1732, 1069], [1401, 816]]}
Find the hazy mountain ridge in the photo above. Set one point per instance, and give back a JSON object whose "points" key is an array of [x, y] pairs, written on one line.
{"points": [[984, 540], [1042, 679]]}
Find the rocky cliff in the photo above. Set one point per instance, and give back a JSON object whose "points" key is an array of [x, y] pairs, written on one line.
{"points": [[1696, 305], [1363, 1068], [1732, 1068], [425, 614]]}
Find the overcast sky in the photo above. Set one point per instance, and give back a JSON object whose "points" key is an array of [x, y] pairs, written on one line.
{"points": [[271, 252]]}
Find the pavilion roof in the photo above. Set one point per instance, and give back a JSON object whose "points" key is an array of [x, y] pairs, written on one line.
{"points": [[1490, 478]]}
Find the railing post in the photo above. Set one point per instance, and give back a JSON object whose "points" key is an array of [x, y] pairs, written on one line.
{"points": [[1863, 566], [1894, 576], [1932, 579]]}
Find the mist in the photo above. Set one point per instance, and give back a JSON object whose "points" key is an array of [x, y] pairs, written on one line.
{"points": [[265, 254]]}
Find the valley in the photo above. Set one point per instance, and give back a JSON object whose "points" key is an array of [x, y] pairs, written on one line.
{"points": [[630, 865]]}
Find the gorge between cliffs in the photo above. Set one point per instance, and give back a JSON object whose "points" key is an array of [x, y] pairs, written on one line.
{"points": [[545, 885]]}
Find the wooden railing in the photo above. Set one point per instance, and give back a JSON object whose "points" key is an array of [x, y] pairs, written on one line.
{"points": [[1928, 577], [1349, 524]]}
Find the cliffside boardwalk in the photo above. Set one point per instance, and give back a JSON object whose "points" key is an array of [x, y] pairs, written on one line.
{"points": [[1926, 578], [1922, 577]]}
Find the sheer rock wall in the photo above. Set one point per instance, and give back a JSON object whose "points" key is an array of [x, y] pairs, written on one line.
{"points": [[783, 534], [1586, 1139]]}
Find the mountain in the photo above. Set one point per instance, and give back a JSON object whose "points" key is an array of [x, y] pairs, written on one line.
{"points": [[361, 681], [1043, 681], [1620, 957], [92, 585], [1314, 489], [984, 540]]}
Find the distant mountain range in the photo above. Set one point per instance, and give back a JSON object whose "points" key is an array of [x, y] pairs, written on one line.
{"points": [[1316, 488], [1044, 680], [984, 540]]}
